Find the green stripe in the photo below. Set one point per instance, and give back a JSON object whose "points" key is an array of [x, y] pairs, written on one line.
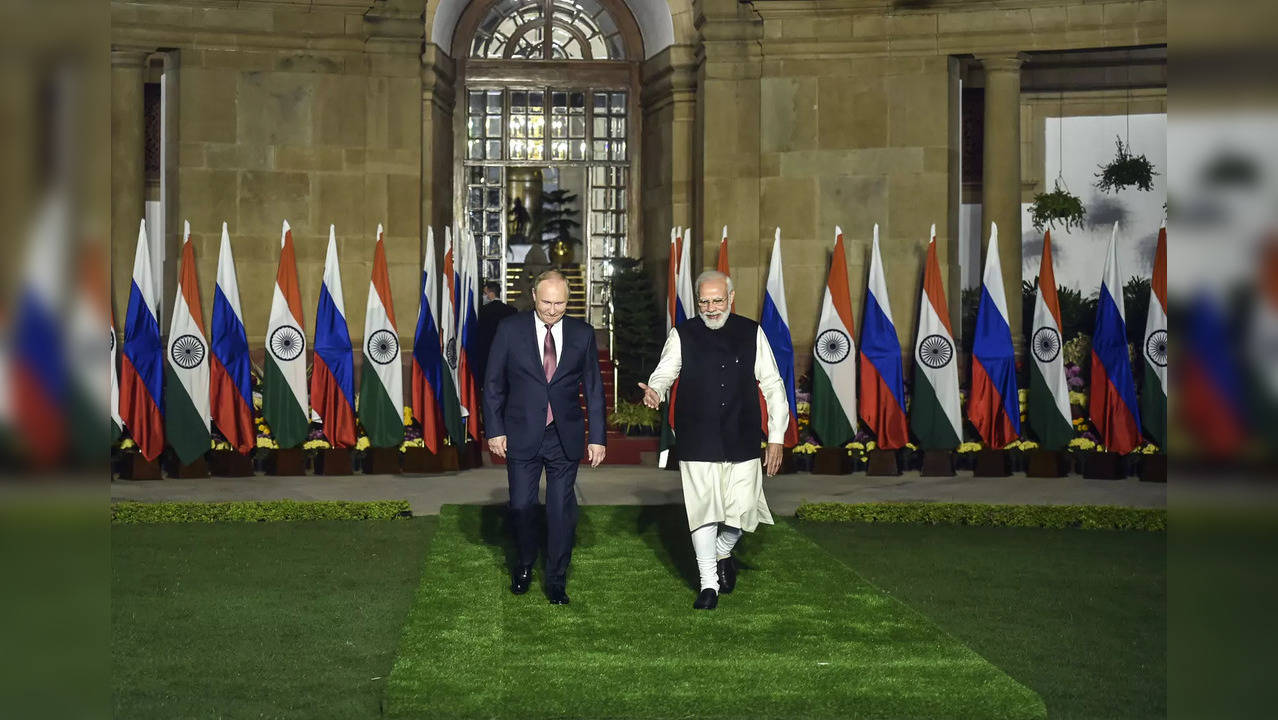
{"points": [[183, 427], [1153, 407], [452, 412], [928, 420], [1053, 431], [383, 422], [829, 423], [287, 420]]}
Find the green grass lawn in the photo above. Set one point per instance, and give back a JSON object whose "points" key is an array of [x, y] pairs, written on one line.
{"points": [[803, 636], [1080, 616], [280, 620], [297, 619]]}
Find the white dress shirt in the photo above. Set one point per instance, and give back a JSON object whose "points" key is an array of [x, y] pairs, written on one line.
{"points": [[556, 331]]}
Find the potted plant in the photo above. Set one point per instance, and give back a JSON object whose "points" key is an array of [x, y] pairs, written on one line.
{"points": [[635, 419], [557, 221], [1125, 170], [1057, 206]]}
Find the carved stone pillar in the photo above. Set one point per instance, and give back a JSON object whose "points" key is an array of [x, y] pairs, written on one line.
{"points": [[1001, 172]]}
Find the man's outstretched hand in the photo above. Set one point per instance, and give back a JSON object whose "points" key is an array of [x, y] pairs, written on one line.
{"points": [[595, 453], [650, 397], [772, 458], [497, 446]]}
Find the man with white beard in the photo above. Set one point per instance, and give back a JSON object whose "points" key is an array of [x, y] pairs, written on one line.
{"points": [[723, 360]]}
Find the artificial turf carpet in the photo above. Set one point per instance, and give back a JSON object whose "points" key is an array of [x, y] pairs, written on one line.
{"points": [[803, 635]]}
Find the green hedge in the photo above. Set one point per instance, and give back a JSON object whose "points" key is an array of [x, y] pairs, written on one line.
{"points": [[135, 513], [1088, 517]]}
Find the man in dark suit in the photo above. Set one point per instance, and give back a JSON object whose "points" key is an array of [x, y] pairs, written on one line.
{"points": [[491, 313], [533, 415]]}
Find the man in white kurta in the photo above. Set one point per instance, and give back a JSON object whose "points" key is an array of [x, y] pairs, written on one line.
{"points": [[718, 427]]}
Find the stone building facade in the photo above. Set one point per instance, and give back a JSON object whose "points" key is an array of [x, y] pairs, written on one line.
{"points": [[803, 114]]}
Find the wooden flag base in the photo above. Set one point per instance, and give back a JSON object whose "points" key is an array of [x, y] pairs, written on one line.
{"points": [[334, 461], [448, 459], [196, 469], [421, 460], [1046, 464], [381, 461], [1153, 468], [228, 463], [1103, 466], [287, 462], [136, 467], [937, 463], [831, 461], [991, 463], [882, 463]]}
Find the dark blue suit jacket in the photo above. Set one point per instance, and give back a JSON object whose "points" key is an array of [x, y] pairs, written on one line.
{"points": [[516, 390]]}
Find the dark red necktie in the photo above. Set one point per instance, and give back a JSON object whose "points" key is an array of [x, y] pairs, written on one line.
{"points": [[548, 363]]}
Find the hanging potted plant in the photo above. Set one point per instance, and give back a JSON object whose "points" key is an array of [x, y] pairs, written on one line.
{"points": [[1058, 206], [1125, 170]]}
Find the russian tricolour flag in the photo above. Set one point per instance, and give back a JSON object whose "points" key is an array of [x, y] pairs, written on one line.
{"points": [[994, 407], [230, 371], [428, 361], [776, 328], [333, 376], [882, 375], [1112, 403], [142, 365]]}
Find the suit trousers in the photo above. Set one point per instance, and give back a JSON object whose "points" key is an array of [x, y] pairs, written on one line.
{"points": [[524, 477]]}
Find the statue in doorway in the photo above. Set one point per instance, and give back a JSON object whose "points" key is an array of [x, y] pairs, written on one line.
{"points": [[519, 219]]}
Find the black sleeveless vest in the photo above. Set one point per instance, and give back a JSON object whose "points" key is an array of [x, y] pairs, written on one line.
{"points": [[717, 416]]}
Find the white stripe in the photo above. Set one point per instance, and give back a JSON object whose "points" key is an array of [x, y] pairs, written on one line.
{"points": [[195, 381], [142, 272], [776, 283], [993, 278], [878, 283], [842, 375], [226, 275], [1053, 371], [376, 318], [333, 273], [1112, 279]]}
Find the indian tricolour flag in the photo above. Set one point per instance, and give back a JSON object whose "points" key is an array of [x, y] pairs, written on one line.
{"points": [[381, 388], [1049, 413], [1153, 399], [454, 429], [284, 403], [934, 410], [834, 373], [186, 412]]}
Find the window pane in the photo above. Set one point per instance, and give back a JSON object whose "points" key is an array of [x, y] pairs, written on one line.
{"points": [[476, 221], [477, 103], [601, 102], [493, 199], [578, 101], [475, 150], [601, 128], [617, 127], [559, 101], [476, 197], [559, 150], [536, 150], [494, 101], [577, 126], [493, 174], [577, 150], [492, 222], [536, 101], [618, 102], [518, 101], [492, 126], [619, 150], [475, 174], [601, 150], [492, 268], [492, 149], [536, 126]]}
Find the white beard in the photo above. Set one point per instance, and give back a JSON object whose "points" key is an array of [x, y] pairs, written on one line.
{"points": [[715, 324]]}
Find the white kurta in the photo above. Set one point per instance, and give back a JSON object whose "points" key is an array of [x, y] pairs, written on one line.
{"points": [[727, 492]]}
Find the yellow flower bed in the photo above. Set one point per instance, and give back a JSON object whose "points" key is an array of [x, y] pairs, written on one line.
{"points": [[968, 447]]}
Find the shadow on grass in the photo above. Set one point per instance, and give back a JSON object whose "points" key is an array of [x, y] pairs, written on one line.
{"points": [[493, 532], [664, 528]]}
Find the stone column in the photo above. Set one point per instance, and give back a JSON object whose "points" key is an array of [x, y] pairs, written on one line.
{"points": [[726, 184], [128, 176], [438, 99], [1001, 172], [669, 113]]}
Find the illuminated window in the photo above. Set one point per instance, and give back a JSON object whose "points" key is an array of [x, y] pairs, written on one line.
{"points": [[576, 30]]}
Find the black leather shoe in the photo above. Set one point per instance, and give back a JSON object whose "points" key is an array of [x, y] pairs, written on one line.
{"points": [[727, 574], [520, 579], [707, 600], [557, 595]]}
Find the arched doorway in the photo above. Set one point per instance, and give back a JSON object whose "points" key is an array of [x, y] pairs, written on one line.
{"points": [[545, 142]]}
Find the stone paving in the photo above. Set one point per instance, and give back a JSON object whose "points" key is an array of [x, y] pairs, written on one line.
{"points": [[641, 485]]}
